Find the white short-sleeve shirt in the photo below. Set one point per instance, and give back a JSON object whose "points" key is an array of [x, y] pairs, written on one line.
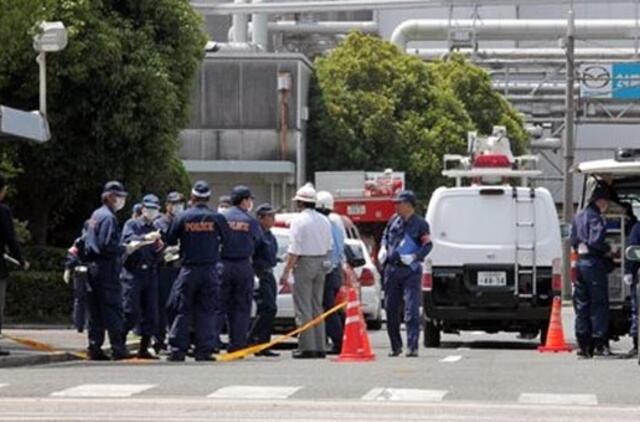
{"points": [[310, 234]]}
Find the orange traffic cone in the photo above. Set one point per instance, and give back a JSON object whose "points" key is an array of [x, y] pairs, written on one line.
{"points": [[555, 335], [355, 341]]}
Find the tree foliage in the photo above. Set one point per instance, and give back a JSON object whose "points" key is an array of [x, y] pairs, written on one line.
{"points": [[117, 97], [373, 107]]}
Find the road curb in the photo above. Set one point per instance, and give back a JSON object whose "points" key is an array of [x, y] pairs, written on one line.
{"points": [[14, 361]]}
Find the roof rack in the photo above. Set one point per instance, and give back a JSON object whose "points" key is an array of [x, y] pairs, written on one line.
{"points": [[490, 161]]}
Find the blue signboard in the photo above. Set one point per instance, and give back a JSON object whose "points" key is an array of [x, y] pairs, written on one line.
{"points": [[619, 81], [626, 81]]}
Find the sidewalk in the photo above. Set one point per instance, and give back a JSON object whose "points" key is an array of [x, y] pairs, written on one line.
{"points": [[45, 345]]}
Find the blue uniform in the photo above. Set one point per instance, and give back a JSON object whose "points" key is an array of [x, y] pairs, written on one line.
{"points": [[194, 295], [104, 296], [139, 279], [167, 275], [236, 291], [74, 261], [591, 291], [410, 237], [332, 284], [265, 258], [631, 268]]}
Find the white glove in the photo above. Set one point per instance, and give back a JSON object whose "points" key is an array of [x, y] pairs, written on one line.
{"points": [[407, 259], [132, 247], [382, 255], [66, 277], [152, 236], [628, 279]]}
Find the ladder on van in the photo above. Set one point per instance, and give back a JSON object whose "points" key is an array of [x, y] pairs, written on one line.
{"points": [[525, 224]]}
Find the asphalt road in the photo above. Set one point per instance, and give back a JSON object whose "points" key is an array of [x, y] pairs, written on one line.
{"points": [[473, 377]]}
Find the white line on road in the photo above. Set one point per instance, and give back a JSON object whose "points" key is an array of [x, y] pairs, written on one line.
{"points": [[404, 394], [254, 392], [103, 390], [451, 359], [555, 399]]}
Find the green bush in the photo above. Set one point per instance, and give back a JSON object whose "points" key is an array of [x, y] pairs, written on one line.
{"points": [[45, 258], [38, 297]]}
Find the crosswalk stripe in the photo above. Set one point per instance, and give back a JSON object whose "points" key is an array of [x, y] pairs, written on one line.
{"points": [[451, 359], [567, 399], [103, 390], [254, 392], [404, 394]]}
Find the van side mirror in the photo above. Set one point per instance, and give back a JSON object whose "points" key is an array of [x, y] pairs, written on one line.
{"points": [[565, 230], [632, 253], [354, 255]]}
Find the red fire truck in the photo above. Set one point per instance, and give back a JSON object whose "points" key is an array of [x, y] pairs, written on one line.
{"points": [[365, 197]]}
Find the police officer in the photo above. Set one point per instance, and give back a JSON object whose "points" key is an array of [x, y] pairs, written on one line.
{"points": [[136, 210], [199, 231], [139, 275], [236, 290], [591, 291], [333, 280], [407, 242], [631, 279], [265, 258], [169, 266], [76, 272], [224, 203], [103, 252]]}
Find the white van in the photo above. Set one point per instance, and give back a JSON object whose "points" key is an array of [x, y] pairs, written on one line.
{"points": [[621, 175], [496, 259]]}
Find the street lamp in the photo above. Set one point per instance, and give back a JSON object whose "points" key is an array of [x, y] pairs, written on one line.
{"points": [[52, 37]]}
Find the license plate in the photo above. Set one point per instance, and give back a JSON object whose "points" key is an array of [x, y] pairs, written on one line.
{"points": [[357, 209], [492, 279]]}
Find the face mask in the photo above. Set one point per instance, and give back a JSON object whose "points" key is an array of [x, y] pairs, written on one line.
{"points": [[178, 208], [250, 206], [119, 204], [221, 210], [150, 214]]}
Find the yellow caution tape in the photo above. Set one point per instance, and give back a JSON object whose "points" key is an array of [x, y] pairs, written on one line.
{"points": [[252, 350]]}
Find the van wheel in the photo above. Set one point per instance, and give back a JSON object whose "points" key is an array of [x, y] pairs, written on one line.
{"points": [[431, 334], [543, 333]]}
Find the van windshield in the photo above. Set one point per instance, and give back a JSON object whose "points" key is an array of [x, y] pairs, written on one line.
{"points": [[473, 220]]}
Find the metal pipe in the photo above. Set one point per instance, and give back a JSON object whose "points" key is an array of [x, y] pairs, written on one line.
{"points": [[42, 66], [525, 53], [259, 22], [511, 29], [325, 27], [283, 7], [240, 25]]}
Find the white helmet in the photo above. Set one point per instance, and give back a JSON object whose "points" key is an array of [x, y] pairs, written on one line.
{"points": [[324, 200], [306, 193]]}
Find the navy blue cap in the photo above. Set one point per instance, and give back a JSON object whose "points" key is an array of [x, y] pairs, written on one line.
{"points": [[265, 209], [600, 192], [151, 201], [201, 189], [175, 197], [115, 188], [137, 208], [239, 193], [406, 196]]}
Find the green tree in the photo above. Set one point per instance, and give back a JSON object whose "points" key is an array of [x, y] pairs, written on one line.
{"points": [[373, 107], [118, 96], [486, 107]]}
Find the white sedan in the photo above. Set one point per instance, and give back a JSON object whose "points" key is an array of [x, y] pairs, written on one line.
{"points": [[370, 286]]}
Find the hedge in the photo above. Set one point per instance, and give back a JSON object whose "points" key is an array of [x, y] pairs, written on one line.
{"points": [[38, 297]]}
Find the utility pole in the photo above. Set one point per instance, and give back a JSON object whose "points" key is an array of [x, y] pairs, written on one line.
{"points": [[568, 149]]}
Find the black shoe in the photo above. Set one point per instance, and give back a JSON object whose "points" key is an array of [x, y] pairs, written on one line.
{"points": [[205, 358], [395, 353], [299, 354], [4, 353], [412, 354], [175, 357], [603, 352], [334, 351], [584, 354], [268, 354], [319, 355], [97, 355], [145, 355], [121, 356]]}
